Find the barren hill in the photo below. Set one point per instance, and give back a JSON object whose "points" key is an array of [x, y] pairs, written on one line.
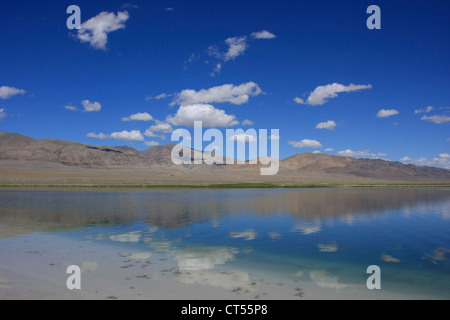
{"points": [[18, 147], [53, 160]]}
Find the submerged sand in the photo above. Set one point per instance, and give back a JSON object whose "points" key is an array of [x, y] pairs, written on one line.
{"points": [[34, 267]]}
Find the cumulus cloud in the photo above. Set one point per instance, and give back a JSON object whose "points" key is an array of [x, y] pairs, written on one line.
{"points": [[161, 126], [101, 136], [91, 106], [2, 113], [225, 93], [247, 122], [264, 34], [273, 137], [133, 135], [71, 108], [439, 119], [384, 113], [151, 143], [328, 149], [330, 125], [424, 110], [442, 161], [95, 30], [141, 116], [235, 47], [322, 93], [243, 138], [305, 143], [8, 92], [216, 70], [159, 96], [151, 134], [208, 114], [365, 154]]}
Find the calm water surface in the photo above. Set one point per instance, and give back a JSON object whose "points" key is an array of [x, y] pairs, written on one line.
{"points": [[317, 241]]}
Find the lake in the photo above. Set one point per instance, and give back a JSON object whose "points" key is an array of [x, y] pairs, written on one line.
{"points": [[225, 244]]}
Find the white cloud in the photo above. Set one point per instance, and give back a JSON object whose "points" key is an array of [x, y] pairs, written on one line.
{"points": [[216, 70], [384, 113], [8, 92], [439, 119], [247, 122], [322, 93], [159, 96], [133, 135], [305, 143], [299, 100], [442, 161], [330, 125], [169, 9], [129, 6], [316, 151], [161, 126], [225, 93], [151, 134], [273, 137], [328, 149], [151, 143], [71, 108], [91, 106], [264, 34], [2, 113], [210, 116], [141, 116], [424, 110], [95, 30], [243, 138], [162, 96], [365, 154], [236, 47], [101, 136]]}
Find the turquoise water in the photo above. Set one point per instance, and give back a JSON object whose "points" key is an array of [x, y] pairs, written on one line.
{"points": [[321, 237]]}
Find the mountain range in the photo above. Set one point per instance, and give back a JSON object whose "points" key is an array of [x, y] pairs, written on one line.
{"points": [[27, 160]]}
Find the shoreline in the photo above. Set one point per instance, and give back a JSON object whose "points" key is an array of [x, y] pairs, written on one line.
{"points": [[215, 186]]}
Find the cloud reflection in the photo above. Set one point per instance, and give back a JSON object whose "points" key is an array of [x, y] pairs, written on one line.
{"points": [[331, 247], [322, 279], [249, 234], [308, 228], [133, 236], [438, 255], [203, 258]]}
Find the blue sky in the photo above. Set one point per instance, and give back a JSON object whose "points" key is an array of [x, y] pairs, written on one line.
{"points": [[311, 69]]}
